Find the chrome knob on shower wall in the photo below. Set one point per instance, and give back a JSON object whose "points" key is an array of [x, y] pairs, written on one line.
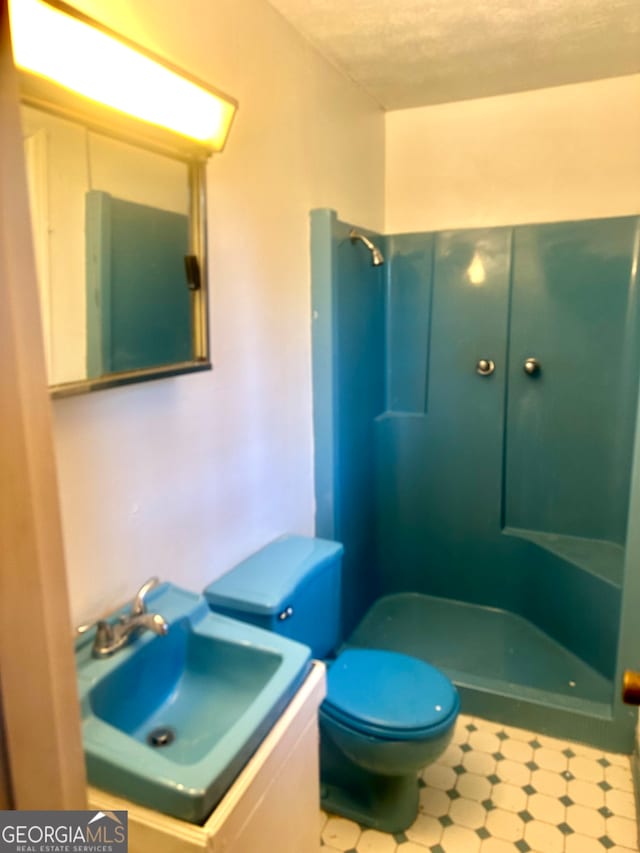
{"points": [[485, 367], [532, 366]]}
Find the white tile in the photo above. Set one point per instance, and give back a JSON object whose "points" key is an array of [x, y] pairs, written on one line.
{"points": [[372, 841], [543, 836], [509, 797], [586, 821], [586, 793], [496, 845], [484, 742], [513, 772], [545, 808], [469, 813], [582, 844], [552, 742], [623, 831], [474, 786], [452, 756], [586, 769], [488, 725], [520, 734], [479, 762], [517, 750], [619, 777], [618, 758], [457, 839], [340, 833], [546, 782], [621, 803], [439, 776], [434, 802], [505, 825], [460, 732], [425, 830], [551, 759], [586, 751], [322, 819]]}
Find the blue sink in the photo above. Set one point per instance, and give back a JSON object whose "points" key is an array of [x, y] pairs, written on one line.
{"points": [[170, 721]]}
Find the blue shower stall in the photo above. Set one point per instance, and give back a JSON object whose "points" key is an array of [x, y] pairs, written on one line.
{"points": [[475, 417]]}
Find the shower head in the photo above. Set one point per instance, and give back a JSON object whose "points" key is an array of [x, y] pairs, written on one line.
{"points": [[377, 258]]}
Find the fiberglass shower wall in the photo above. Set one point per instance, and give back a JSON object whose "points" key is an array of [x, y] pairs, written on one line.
{"points": [[511, 489], [507, 489]]}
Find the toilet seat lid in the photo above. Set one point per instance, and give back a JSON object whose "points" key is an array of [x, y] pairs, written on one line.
{"points": [[389, 694]]}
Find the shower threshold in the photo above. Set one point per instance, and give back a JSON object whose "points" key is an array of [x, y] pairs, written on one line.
{"points": [[505, 667]]}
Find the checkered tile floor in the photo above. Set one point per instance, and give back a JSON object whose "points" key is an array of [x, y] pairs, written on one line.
{"points": [[499, 789]]}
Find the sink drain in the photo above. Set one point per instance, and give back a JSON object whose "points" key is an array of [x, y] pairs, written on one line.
{"points": [[162, 736]]}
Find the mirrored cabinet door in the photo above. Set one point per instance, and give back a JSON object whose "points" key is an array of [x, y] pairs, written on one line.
{"points": [[116, 242]]}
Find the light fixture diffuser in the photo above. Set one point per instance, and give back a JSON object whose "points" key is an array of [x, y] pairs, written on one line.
{"points": [[56, 43]]}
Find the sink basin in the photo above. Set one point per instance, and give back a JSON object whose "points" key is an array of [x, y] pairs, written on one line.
{"points": [[169, 721]]}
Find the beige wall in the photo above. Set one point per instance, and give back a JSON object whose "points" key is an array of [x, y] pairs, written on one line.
{"points": [[570, 152], [182, 477]]}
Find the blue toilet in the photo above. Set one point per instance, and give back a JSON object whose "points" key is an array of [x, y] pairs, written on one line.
{"points": [[386, 715]]}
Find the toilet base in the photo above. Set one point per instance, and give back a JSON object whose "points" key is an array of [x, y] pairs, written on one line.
{"points": [[392, 808], [386, 803]]}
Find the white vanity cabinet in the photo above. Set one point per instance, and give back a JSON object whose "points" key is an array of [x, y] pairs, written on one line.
{"points": [[272, 805]]}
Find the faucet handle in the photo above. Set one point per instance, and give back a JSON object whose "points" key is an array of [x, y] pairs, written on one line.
{"points": [[139, 605]]}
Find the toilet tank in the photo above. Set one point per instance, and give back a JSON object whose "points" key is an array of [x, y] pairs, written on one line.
{"points": [[291, 586]]}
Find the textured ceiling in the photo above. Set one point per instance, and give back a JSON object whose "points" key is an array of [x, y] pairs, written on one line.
{"points": [[409, 53]]}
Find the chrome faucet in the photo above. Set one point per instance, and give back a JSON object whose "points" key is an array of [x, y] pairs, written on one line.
{"points": [[112, 637]]}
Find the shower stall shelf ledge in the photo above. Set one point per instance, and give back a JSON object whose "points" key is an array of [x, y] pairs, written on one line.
{"points": [[487, 515]]}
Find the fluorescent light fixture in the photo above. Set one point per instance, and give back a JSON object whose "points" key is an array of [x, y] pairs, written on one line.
{"points": [[53, 41]]}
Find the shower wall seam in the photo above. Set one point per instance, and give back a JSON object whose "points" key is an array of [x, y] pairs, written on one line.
{"points": [[507, 362], [432, 277]]}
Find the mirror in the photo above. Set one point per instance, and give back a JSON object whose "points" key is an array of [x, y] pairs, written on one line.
{"points": [[118, 237]]}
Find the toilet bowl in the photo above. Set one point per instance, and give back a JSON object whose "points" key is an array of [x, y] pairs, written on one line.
{"points": [[386, 715]]}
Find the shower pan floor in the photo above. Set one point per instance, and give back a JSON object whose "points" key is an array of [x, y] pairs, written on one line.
{"points": [[485, 649]]}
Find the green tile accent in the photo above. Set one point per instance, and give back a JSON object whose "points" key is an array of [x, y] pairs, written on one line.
{"points": [[604, 785], [438, 849], [445, 820], [488, 805], [498, 756], [535, 743], [422, 783], [465, 747], [605, 812], [502, 736], [565, 829], [525, 816], [529, 789], [568, 775], [471, 728], [483, 832], [453, 794], [532, 765], [606, 842], [459, 769], [568, 753], [604, 762], [495, 780], [522, 846], [566, 801], [400, 838]]}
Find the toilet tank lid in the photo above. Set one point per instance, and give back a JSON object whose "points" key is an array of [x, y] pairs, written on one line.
{"points": [[264, 583]]}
